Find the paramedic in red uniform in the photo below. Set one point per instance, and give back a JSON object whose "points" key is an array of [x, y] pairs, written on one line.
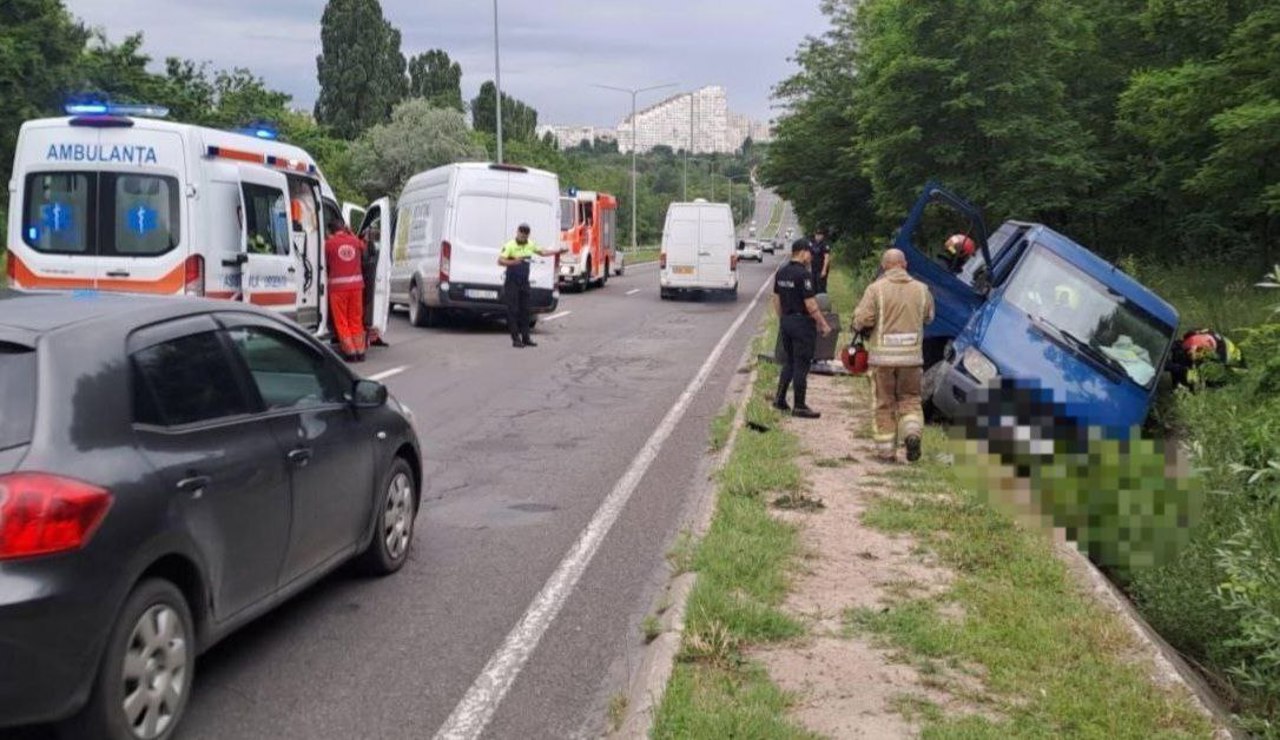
{"points": [[344, 254]]}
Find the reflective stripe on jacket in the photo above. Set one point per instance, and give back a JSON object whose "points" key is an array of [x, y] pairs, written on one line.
{"points": [[896, 307]]}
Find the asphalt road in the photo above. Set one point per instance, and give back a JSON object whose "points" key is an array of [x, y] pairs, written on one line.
{"points": [[521, 447]]}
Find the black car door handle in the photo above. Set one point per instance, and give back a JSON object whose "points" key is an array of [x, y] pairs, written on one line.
{"points": [[194, 483], [300, 456]]}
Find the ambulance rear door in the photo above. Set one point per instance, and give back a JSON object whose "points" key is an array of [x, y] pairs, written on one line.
{"points": [[272, 273]]}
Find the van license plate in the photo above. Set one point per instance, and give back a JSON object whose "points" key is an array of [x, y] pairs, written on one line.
{"points": [[482, 295], [682, 270]]}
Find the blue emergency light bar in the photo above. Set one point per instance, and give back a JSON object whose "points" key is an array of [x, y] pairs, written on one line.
{"points": [[141, 110]]}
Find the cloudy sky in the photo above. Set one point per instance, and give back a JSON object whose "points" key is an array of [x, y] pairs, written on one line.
{"points": [[552, 50]]}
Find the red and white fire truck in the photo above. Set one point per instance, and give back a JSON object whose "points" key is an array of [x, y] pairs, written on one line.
{"points": [[588, 234]]}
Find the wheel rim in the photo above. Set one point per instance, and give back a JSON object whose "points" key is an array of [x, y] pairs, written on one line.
{"points": [[155, 672], [397, 518]]}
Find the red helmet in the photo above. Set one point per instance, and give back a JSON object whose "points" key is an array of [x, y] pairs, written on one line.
{"points": [[1200, 345], [961, 244], [854, 359]]}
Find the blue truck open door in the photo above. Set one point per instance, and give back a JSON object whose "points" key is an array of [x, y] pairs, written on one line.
{"points": [[955, 300]]}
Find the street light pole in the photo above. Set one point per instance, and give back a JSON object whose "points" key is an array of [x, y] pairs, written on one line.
{"points": [[497, 77], [635, 187]]}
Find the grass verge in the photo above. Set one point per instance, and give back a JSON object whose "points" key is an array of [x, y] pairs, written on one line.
{"points": [[1053, 661], [642, 255], [742, 564]]}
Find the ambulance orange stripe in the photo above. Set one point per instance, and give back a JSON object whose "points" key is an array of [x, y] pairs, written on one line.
{"points": [[24, 277], [273, 299]]}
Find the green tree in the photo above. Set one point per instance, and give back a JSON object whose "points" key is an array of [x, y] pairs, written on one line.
{"points": [[519, 120], [436, 78], [360, 68], [40, 44], [418, 138]]}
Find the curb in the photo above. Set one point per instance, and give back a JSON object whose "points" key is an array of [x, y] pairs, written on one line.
{"points": [[1169, 668], [649, 684]]}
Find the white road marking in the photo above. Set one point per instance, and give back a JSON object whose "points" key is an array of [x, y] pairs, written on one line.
{"points": [[481, 701], [633, 292], [388, 373], [555, 316]]}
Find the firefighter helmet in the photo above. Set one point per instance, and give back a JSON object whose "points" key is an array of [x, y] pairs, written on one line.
{"points": [[961, 245]]}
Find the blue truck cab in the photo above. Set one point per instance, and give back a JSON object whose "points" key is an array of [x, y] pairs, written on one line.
{"points": [[1034, 306]]}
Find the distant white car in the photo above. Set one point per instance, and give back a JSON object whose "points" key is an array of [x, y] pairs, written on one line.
{"points": [[750, 249]]}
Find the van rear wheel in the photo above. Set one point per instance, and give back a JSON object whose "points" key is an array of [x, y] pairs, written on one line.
{"points": [[419, 313]]}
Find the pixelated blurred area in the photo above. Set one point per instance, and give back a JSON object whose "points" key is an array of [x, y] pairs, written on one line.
{"points": [[1126, 501]]}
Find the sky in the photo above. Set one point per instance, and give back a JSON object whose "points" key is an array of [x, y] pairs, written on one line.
{"points": [[552, 51]]}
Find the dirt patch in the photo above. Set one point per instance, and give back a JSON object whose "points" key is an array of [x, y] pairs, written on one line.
{"points": [[845, 686]]}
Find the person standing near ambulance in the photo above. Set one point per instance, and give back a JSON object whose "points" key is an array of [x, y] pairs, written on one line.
{"points": [[515, 256], [894, 309], [344, 253]]}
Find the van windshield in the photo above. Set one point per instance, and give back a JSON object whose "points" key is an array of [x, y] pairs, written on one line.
{"points": [[1092, 320], [101, 213]]}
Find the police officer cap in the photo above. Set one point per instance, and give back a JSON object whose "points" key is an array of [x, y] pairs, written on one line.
{"points": [[523, 228], [799, 245]]}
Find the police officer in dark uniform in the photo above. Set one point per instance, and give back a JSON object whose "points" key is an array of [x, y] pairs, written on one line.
{"points": [[800, 321], [821, 263]]}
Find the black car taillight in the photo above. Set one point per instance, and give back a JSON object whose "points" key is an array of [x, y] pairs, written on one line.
{"points": [[43, 514]]}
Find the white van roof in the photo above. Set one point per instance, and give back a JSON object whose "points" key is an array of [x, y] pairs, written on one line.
{"points": [[209, 137], [445, 172]]}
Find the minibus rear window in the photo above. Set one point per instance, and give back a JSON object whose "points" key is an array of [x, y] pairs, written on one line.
{"points": [[101, 213]]}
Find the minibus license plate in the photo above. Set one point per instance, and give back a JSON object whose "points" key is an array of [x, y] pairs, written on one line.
{"points": [[683, 269], [482, 295]]}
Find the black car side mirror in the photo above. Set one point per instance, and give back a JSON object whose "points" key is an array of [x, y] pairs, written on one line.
{"points": [[368, 394]]}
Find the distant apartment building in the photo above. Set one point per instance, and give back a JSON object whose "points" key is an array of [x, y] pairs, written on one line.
{"points": [[699, 122], [570, 136]]}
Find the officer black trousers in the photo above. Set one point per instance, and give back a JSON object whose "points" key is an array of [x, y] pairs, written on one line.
{"points": [[819, 282], [799, 340], [516, 293]]}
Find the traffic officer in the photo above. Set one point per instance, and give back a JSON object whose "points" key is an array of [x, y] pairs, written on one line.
{"points": [[799, 320], [515, 256], [821, 250], [344, 252], [894, 309]]}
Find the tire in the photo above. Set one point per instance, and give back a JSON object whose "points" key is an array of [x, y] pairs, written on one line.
{"points": [[154, 627], [586, 277], [420, 315], [394, 526], [733, 292], [665, 294], [928, 386], [604, 276]]}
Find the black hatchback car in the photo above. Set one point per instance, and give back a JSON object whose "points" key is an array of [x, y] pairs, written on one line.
{"points": [[169, 470]]}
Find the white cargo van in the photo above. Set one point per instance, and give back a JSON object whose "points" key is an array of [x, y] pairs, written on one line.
{"points": [[448, 227], [109, 199], [698, 249]]}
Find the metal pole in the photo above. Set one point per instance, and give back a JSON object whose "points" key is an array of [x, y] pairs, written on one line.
{"points": [[635, 187], [497, 77]]}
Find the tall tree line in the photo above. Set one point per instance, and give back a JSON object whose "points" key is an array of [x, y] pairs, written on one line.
{"points": [[1137, 126]]}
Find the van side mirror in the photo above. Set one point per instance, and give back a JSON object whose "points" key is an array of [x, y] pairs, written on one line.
{"points": [[368, 394]]}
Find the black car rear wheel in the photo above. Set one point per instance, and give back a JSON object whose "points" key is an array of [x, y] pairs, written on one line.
{"points": [[394, 525], [144, 683]]}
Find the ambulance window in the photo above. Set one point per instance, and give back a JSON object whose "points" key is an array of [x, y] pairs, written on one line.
{"points": [[59, 212], [141, 213], [266, 220], [303, 205]]}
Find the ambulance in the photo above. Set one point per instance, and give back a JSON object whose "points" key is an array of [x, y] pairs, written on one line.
{"points": [[112, 198], [588, 234]]}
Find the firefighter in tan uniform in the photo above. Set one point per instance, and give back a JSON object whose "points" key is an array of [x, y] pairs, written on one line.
{"points": [[893, 311]]}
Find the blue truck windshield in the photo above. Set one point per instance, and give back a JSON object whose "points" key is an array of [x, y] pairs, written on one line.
{"points": [[1091, 320]]}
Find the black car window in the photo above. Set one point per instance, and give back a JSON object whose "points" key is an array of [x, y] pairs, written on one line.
{"points": [[287, 372], [185, 380], [17, 394]]}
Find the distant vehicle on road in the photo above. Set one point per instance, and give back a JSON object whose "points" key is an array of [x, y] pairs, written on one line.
{"points": [[1033, 305], [769, 246], [449, 226], [698, 249], [111, 199], [751, 249], [170, 470], [588, 231]]}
